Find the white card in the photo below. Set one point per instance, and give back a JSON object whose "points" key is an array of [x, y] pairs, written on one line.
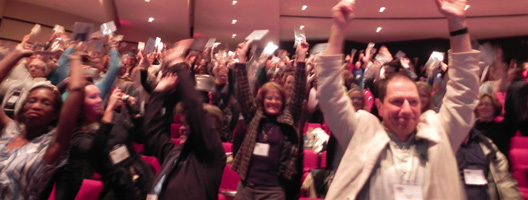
{"points": [[35, 30], [108, 27], [261, 149], [210, 43], [149, 46], [119, 154], [118, 38], [407, 192], [141, 46], [371, 44], [257, 35], [475, 177], [58, 28]]}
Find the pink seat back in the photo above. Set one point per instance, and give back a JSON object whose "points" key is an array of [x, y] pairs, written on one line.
{"points": [[311, 160], [153, 161], [228, 147]]}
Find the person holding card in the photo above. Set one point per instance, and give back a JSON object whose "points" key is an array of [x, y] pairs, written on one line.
{"points": [[192, 170], [31, 147], [409, 155], [269, 160]]}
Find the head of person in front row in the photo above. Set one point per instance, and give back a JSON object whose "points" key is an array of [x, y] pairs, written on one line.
{"points": [[357, 97], [272, 98], [399, 105]]}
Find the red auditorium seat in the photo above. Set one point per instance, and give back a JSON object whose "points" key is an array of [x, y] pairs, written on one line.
{"points": [[519, 142], [138, 147], [176, 141], [90, 190], [175, 130], [229, 182], [519, 160], [228, 147], [322, 163], [310, 126], [311, 160], [153, 161], [305, 198]]}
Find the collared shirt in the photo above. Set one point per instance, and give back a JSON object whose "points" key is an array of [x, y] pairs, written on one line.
{"points": [[399, 163]]}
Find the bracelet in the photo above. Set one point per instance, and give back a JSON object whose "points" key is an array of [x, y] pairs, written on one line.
{"points": [[459, 32]]}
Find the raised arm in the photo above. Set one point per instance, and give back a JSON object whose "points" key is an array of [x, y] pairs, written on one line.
{"points": [[6, 65], [113, 70], [299, 92], [243, 90], [69, 112], [461, 98], [335, 104]]}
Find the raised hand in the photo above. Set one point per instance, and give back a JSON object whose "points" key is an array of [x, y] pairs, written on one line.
{"points": [[301, 51], [452, 8], [167, 83], [343, 12], [177, 53], [241, 51]]}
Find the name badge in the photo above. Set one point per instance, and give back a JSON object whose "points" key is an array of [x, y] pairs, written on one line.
{"points": [[407, 192], [475, 177], [119, 154], [261, 149], [152, 197]]}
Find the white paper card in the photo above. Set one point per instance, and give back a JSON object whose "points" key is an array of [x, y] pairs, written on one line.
{"points": [[257, 35], [118, 38], [58, 28], [141, 46], [108, 28], [407, 192], [371, 44], [400, 55], [81, 30], [158, 40], [149, 46], [119, 154], [210, 43], [36, 29], [475, 177], [261, 149], [300, 36]]}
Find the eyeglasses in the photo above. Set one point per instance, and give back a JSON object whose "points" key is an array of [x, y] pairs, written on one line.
{"points": [[36, 67]]}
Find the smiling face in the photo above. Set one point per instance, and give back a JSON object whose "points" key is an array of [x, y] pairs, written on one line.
{"points": [[37, 68], [400, 108], [93, 104], [273, 102], [485, 109], [39, 108]]}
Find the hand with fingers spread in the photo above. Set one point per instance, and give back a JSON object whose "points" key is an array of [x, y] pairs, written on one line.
{"points": [[241, 51], [167, 83]]}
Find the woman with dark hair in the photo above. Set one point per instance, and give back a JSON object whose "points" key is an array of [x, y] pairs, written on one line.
{"points": [[31, 149], [269, 160], [500, 132]]}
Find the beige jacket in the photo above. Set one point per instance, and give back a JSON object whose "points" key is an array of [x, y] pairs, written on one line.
{"points": [[364, 137]]}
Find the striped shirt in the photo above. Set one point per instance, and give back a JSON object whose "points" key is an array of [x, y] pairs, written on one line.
{"points": [[23, 172]]}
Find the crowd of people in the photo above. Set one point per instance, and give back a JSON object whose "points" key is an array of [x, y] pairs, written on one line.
{"points": [[396, 130]]}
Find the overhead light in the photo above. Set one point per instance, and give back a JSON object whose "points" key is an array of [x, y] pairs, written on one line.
{"points": [[378, 30], [234, 35], [147, 1], [467, 6], [304, 7], [234, 21], [382, 9], [234, 3], [301, 27], [151, 19]]}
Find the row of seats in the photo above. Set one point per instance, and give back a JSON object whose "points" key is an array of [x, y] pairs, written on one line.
{"points": [[519, 161]]}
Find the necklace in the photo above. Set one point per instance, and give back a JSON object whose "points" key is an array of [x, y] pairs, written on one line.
{"points": [[265, 134]]}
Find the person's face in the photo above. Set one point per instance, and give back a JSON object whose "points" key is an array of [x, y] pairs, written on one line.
{"points": [[425, 99], [93, 104], [400, 109], [39, 110], [288, 84], [184, 129], [485, 109], [273, 102], [36, 68], [221, 77], [357, 100]]}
